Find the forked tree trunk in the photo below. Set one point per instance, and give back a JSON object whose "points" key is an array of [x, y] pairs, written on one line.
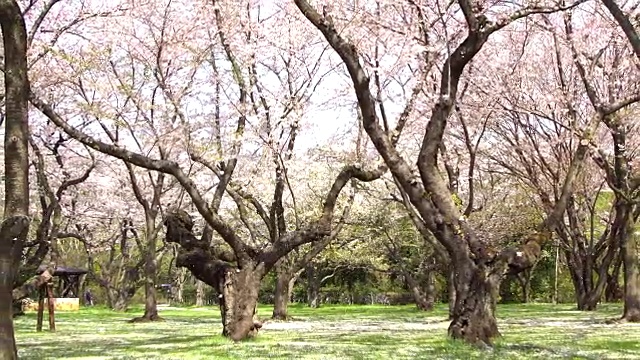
{"points": [[239, 290], [587, 291], [281, 296], [631, 275], [474, 319]]}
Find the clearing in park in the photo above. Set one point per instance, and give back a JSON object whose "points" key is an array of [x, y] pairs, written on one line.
{"points": [[531, 331]]}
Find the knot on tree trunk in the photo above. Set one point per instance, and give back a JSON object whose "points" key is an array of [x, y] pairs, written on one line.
{"points": [[14, 226], [179, 226], [194, 253]]}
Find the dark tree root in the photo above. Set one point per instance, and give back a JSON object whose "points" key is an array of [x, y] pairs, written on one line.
{"points": [[622, 320], [146, 319]]}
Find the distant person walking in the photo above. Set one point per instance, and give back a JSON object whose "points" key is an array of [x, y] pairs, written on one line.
{"points": [[88, 297]]}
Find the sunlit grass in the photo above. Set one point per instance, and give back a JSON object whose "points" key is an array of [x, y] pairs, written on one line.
{"points": [[532, 331]]}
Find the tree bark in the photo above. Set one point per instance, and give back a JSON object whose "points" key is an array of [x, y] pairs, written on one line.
{"points": [[313, 287], [150, 295], [199, 293], [16, 166], [423, 297], [613, 291], [631, 275], [238, 303], [119, 299], [150, 275], [181, 278], [474, 318], [524, 278], [451, 289], [281, 296]]}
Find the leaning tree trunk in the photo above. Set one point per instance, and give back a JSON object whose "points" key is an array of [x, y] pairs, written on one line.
{"points": [[281, 296], [474, 319], [239, 290], [423, 299]]}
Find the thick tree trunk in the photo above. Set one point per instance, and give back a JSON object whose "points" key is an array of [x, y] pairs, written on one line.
{"points": [[631, 275], [15, 226], [281, 296], [238, 303], [7, 339], [474, 318], [199, 293]]}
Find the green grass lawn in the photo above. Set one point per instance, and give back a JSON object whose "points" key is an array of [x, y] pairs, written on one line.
{"points": [[532, 331]]}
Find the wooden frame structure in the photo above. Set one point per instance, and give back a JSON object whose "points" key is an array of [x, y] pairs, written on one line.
{"points": [[68, 284]]}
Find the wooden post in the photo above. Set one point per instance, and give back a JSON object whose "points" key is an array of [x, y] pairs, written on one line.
{"points": [[40, 307], [52, 305]]}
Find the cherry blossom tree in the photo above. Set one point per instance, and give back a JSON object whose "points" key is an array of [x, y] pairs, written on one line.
{"points": [[608, 75], [478, 269], [235, 271]]}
